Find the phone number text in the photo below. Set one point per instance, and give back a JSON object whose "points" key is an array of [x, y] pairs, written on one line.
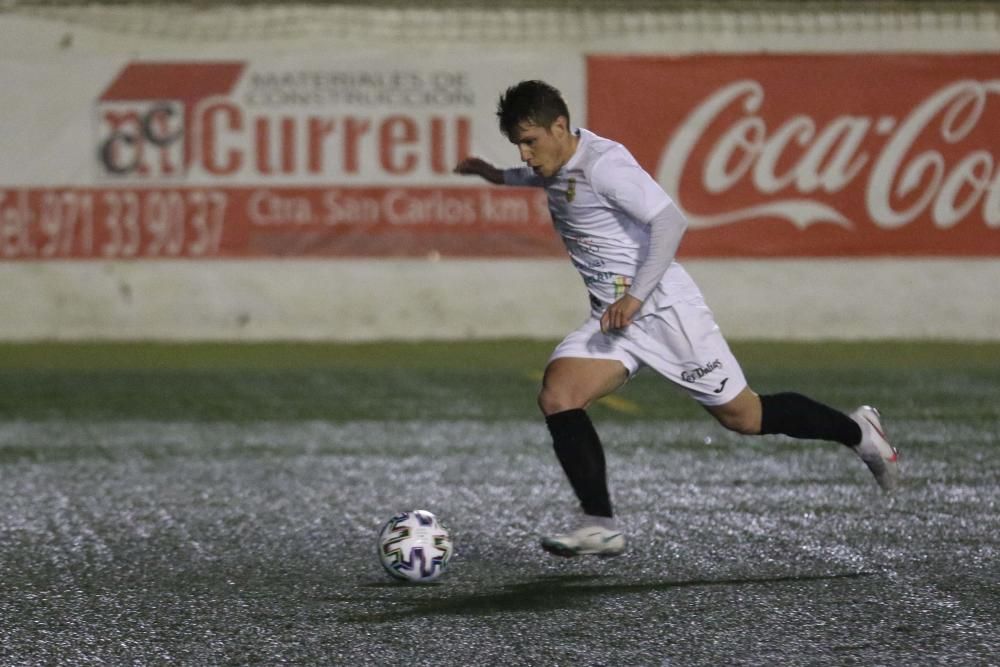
{"points": [[69, 223]]}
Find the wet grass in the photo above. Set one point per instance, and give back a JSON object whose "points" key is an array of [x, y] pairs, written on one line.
{"points": [[217, 504], [476, 380]]}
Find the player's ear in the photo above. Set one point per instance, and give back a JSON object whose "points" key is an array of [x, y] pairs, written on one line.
{"points": [[560, 126]]}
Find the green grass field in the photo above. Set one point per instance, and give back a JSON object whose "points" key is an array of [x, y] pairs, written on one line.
{"points": [[218, 505]]}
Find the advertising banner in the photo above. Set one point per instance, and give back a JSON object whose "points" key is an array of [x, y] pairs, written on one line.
{"points": [[814, 155], [794, 155], [266, 158]]}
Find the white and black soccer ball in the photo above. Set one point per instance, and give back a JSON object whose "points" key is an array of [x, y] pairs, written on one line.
{"points": [[414, 546]]}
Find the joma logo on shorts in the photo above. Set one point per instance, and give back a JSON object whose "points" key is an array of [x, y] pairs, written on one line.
{"points": [[701, 371]]}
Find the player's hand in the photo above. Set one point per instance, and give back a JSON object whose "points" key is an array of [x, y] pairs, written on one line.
{"points": [[479, 167], [619, 314], [472, 165]]}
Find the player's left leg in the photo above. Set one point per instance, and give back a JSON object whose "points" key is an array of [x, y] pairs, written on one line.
{"points": [[569, 386], [584, 367]]}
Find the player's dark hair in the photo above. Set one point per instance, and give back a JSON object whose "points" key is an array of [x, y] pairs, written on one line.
{"points": [[530, 101]]}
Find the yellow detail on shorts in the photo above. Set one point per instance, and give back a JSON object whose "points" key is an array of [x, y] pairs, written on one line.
{"points": [[622, 283]]}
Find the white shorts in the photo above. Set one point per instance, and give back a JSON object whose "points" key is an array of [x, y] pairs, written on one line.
{"points": [[681, 342]]}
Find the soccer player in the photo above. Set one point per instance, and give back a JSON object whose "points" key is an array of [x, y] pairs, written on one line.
{"points": [[621, 231]]}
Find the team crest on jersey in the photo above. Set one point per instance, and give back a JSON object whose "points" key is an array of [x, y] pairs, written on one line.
{"points": [[571, 190]]}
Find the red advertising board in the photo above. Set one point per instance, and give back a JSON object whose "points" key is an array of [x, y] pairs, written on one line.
{"points": [[792, 155], [279, 157], [230, 222], [814, 155]]}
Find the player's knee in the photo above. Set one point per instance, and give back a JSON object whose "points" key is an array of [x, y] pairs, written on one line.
{"points": [[741, 414], [744, 422], [552, 400]]}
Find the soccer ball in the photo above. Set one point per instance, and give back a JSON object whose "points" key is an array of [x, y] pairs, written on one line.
{"points": [[413, 546]]}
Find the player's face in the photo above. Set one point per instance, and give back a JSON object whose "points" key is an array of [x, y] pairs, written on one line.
{"points": [[544, 149]]}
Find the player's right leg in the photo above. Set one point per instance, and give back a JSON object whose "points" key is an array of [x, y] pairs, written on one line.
{"points": [[798, 416], [690, 350]]}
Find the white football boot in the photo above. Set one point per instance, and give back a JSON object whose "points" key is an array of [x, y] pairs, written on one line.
{"points": [[874, 448], [588, 540]]}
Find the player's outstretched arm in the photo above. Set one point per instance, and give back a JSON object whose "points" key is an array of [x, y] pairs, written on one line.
{"points": [[479, 167]]}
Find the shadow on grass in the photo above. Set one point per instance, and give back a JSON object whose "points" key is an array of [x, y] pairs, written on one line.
{"points": [[556, 592]]}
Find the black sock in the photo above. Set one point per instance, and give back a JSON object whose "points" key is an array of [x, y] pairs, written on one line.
{"points": [[581, 455], [801, 417]]}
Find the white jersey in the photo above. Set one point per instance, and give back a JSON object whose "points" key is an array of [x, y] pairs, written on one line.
{"points": [[601, 202]]}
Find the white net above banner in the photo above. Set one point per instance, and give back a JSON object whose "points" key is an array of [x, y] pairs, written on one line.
{"points": [[625, 26]]}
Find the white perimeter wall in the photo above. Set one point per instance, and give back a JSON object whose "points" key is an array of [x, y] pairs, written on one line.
{"points": [[415, 299]]}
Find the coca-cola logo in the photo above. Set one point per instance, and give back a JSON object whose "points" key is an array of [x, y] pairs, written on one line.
{"points": [[924, 163], [814, 155]]}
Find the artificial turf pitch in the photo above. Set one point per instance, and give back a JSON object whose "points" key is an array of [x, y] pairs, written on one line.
{"points": [[218, 505]]}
